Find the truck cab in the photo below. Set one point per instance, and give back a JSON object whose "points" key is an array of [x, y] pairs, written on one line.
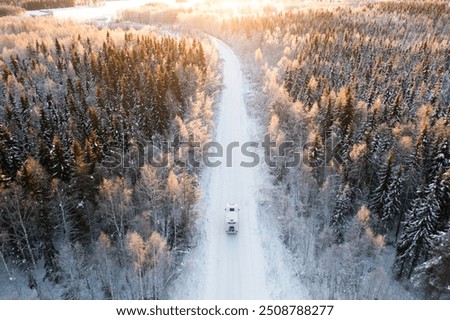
{"points": [[231, 218]]}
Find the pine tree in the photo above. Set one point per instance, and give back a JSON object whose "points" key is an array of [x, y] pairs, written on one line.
{"points": [[94, 120], [392, 209], [47, 248], [346, 110], [395, 110], [433, 276], [60, 165], [7, 171], [341, 212], [315, 158], [46, 127], [385, 178], [440, 155], [160, 112], [326, 115], [443, 197], [34, 179], [93, 149], [10, 153], [43, 155], [149, 102], [421, 161], [420, 226]]}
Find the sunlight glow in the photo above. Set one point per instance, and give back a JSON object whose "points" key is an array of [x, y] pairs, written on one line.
{"points": [[234, 7]]}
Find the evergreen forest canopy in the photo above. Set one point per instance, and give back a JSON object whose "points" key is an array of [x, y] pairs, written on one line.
{"points": [[370, 218], [374, 81], [68, 100]]}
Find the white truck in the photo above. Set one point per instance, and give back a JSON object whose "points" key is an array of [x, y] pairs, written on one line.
{"points": [[231, 218]]}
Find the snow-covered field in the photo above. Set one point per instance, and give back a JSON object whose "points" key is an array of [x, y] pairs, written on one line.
{"points": [[107, 11], [251, 264]]}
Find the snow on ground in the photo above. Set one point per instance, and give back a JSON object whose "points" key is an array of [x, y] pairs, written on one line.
{"points": [[252, 264], [107, 11]]}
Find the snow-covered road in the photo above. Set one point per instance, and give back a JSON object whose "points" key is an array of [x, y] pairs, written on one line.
{"points": [[227, 266], [235, 266]]}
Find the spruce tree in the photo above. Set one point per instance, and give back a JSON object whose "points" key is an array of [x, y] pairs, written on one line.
{"points": [[385, 179], [433, 276], [421, 224], [60, 165], [341, 212]]}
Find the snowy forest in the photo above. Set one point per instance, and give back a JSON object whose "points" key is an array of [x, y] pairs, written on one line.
{"points": [[70, 219], [361, 92], [366, 93]]}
